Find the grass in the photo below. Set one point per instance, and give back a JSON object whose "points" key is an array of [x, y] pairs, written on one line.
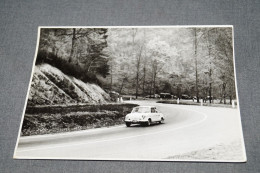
{"points": [[56, 119]]}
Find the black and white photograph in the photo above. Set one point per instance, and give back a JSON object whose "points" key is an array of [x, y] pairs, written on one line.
{"points": [[143, 93]]}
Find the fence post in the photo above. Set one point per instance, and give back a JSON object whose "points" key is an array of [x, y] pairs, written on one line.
{"points": [[233, 104], [178, 101]]}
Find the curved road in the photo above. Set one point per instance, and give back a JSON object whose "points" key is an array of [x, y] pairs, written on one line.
{"points": [[186, 129]]}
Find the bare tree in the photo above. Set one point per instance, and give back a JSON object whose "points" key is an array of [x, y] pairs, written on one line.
{"points": [[196, 63], [137, 57], [144, 63]]}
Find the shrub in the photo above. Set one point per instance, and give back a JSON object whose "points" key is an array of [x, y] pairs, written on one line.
{"points": [[55, 119]]}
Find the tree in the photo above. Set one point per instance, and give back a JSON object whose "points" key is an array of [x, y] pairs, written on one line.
{"points": [[147, 57], [159, 53], [144, 62], [82, 48], [196, 63], [137, 56], [224, 62]]}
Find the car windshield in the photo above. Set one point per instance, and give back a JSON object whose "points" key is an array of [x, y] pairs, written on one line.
{"points": [[141, 110]]}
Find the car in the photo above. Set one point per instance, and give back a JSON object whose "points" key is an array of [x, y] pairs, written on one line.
{"points": [[144, 115], [113, 95], [153, 96], [149, 96], [156, 96], [185, 96], [165, 95], [174, 97]]}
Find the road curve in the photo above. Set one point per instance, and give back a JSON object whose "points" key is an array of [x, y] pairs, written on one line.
{"points": [[186, 129]]}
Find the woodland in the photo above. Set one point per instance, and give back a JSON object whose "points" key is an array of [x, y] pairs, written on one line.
{"points": [[195, 61]]}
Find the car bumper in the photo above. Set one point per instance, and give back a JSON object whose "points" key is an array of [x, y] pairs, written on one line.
{"points": [[135, 121]]}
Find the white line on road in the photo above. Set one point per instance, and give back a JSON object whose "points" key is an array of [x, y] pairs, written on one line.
{"points": [[128, 137]]}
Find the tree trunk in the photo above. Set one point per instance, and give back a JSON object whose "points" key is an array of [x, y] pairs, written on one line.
{"points": [[137, 63], [210, 71], [122, 85], [72, 52], [196, 64], [111, 80], [150, 91], [210, 87], [137, 83], [144, 70], [154, 86], [224, 92], [154, 76]]}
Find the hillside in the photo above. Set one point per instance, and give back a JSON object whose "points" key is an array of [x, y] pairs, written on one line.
{"points": [[50, 86]]}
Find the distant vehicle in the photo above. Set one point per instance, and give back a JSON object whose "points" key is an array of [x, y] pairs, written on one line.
{"points": [[174, 97], [156, 96], [152, 96], [149, 96], [185, 96], [114, 95], [144, 115], [128, 97], [165, 95]]}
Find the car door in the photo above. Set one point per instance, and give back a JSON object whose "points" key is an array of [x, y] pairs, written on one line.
{"points": [[155, 114], [152, 114], [158, 115]]}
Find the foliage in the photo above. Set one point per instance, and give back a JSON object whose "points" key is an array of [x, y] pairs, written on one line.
{"points": [[75, 51], [144, 61], [66, 67], [173, 59], [45, 120]]}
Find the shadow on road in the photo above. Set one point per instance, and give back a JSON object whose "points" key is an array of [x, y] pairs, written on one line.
{"points": [[145, 126]]}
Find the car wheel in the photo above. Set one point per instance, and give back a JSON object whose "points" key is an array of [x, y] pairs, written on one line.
{"points": [[128, 124], [162, 120], [143, 124], [149, 122]]}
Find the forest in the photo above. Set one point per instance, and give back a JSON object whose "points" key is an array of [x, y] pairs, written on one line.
{"points": [[195, 61]]}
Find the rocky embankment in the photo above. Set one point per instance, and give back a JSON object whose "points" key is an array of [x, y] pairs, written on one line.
{"points": [[50, 86]]}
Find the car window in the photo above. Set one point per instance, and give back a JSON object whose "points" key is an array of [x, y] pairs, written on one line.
{"points": [[141, 110], [153, 110]]}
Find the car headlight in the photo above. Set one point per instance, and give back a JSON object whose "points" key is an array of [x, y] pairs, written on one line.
{"points": [[143, 116]]}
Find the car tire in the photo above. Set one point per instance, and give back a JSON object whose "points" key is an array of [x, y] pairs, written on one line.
{"points": [[128, 124], [162, 120], [143, 124], [149, 122]]}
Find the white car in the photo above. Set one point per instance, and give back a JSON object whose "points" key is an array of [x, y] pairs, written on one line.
{"points": [[144, 115]]}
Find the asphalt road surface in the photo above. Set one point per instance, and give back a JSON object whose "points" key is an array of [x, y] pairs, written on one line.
{"points": [[186, 129]]}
